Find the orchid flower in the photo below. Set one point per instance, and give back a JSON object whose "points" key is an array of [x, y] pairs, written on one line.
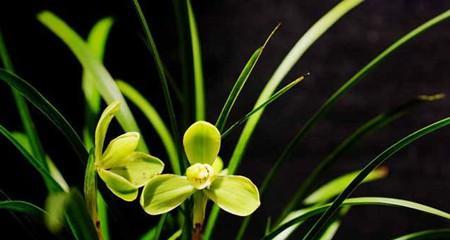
{"points": [[120, 166], [203, 180]]}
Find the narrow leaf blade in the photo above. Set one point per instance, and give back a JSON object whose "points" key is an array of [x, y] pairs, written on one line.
{"points": [[380, 159], [105, 83], [197, 63], [22, 206], [362, 201], [41, 103], [154, 118]]}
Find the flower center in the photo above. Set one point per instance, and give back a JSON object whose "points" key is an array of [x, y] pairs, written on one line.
{"points": [[200, 175]]}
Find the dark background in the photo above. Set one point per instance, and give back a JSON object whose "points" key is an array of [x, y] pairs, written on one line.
{"points": [[230, 31]]}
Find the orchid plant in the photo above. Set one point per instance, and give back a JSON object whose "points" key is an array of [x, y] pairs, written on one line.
{"points": [[178, 187]]}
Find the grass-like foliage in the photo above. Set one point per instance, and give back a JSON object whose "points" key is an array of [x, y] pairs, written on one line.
{"points": [[175, 188]]}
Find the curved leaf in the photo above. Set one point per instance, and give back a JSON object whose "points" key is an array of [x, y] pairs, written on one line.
{"points": [[22, 108], [435, 234], [38, 165], [272, 98], [159, 67], [154, 118], [331, 211], [329, 103], [41, 103], [239, 84], [296, 52], [105, 83], [96, 42], [362, 201], [21, 206], [373, 124], [337, 185]]}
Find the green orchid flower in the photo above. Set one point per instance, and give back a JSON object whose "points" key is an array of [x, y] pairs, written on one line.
{"points": [[122, 169], [203, 180]]}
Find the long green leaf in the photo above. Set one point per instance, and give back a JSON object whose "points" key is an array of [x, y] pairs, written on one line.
{"points": [[22, 108], [159, 67], [41, 103], [317, 30], [154, 118], [332, 229], [272, 98], [236, 90], [239, 84], [331, 211], [96, 41], [329, 103], [321, 196], [160, 226], [302, 45], [373, 124], [22, 206], [149, 235], [435, 234], [327, 192], [38, 165], [337, 185], [23, 140], [197, 63], [362, 201], [105, 83]]}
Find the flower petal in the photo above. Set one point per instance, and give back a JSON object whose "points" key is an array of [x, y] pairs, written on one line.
{"points": [[164, 193], [201, 142], [102, 127], [119, 149], [140, 168], [217, 165], [234, 194], [120, 186]]}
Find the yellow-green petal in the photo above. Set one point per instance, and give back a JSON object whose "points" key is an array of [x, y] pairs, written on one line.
{"points": [[139, 168], [201, 142], [234, 194], [119, 149], [164, 193], [217, 165], [102, 127], [120, 186]]}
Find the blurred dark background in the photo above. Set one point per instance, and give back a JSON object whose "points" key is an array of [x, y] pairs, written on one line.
{"points": [[230, 31]]}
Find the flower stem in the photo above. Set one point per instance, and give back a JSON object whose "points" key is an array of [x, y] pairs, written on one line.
{"points": [[199, 208]]}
